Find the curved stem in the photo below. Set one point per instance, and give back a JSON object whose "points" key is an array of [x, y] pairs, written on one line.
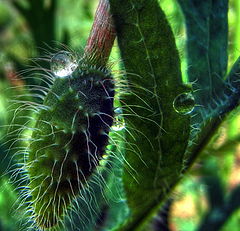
{"points": [[102, 35]]}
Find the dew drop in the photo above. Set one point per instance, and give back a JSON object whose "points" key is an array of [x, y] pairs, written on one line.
{"points": [[119, 123], [184, 103], [63, 64]]}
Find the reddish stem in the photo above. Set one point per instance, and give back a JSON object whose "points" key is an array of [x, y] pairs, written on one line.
{"points": [[102, 35]]}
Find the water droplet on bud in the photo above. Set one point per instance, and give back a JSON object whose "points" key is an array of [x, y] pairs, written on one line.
{"points": [[63, 64], [119, 123], [184, 103]]}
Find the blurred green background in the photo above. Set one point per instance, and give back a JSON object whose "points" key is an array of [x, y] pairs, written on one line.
{"points": [[30, 29]]}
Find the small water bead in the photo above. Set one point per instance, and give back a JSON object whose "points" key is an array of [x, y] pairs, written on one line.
{"points": [[119, 123], [184, 103], [63, 64]]}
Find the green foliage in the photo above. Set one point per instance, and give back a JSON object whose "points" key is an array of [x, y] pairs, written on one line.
{"points": [[153, 86], [68, 140], [220, 208], [165, 130], [207, 34]]}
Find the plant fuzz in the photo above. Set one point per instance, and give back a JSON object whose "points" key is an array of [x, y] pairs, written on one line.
{"points": [[72, 127], [68, 140]]}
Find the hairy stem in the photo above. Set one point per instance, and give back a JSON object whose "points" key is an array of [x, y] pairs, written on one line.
{"points": [[102, 35]]}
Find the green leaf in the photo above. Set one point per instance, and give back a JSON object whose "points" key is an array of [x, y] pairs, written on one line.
{"points": [[157, 135], [230, 102], [207, 39]]}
